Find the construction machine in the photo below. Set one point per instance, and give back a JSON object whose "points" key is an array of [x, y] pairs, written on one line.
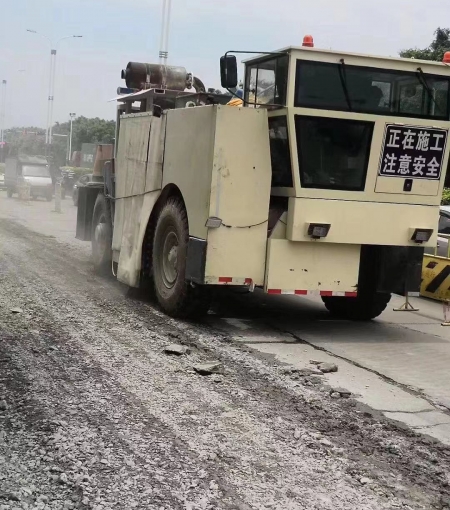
{"points": [[326, 181]]}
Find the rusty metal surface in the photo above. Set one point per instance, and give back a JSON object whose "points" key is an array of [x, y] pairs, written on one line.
{"points": [[141, 76]]}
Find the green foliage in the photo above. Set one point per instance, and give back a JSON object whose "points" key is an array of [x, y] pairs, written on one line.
{"points": [[31, 140], [88, 131], [446, 196], [435, 51]]}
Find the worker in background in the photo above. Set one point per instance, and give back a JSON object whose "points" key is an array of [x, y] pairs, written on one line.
{"points": [[237, 98]]}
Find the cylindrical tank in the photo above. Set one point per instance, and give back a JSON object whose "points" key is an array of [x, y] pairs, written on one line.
{"points": [[141, 76]]}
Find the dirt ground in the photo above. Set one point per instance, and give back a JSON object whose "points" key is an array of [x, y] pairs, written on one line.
{"points": [[95, 415]]}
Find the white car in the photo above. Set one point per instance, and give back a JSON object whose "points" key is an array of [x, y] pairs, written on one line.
{"points": [[444, 228]]}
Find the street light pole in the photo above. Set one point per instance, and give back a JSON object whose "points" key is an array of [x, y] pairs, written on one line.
{"points": [[165, 29], [51, 88], [72, 116]]}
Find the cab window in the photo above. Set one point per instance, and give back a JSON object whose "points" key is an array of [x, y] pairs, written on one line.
{"points": [[266, 81], [343, 87]]}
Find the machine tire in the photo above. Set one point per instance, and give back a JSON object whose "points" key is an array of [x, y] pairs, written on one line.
{"points": [[101, 238], [177, 297], [365, 307], [9, 192]]}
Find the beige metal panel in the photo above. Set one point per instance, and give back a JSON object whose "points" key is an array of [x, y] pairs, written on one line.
{"points": [[241, 177], [236, 253], [135, 182], [156, 154], [361, 222], [137, 213], [312, 266], [119, 218], [423, 187], [240, 192], [132, 208], [131, 157], [188, 161], [132, 154], [370, 194]]}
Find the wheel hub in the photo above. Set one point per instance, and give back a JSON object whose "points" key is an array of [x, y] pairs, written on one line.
{"points": [[170, 260], [100, 236]]}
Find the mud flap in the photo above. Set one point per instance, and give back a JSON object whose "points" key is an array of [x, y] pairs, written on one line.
{"points": [[87, 195], [196, 260], [399, 268]]}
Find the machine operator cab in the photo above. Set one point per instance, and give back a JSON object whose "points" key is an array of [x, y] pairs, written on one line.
{"points": [[351, 127]]}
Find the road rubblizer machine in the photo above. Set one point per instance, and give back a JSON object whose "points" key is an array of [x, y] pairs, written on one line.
{"points": [[326, 181]]}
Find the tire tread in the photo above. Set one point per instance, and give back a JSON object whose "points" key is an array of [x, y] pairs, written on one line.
{"points": [[361, 308], [189, 302]]}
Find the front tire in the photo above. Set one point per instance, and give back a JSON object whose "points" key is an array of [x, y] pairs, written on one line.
{"points": [[101, 237], [177, 297], [365, 307]]}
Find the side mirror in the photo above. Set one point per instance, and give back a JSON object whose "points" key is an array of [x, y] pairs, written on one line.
{"points": [[228, 72]]}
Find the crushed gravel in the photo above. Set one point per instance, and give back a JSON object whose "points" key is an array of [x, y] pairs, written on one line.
{"points": [[94, 414]]}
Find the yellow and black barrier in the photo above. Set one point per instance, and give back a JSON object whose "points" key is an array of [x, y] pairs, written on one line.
{"points": [[436, 276]]}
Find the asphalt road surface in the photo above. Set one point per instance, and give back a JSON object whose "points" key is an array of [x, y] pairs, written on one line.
{"points": [[95, 415]]}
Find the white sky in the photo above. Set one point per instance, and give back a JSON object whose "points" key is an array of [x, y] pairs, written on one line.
{"points": [[117, 31]]}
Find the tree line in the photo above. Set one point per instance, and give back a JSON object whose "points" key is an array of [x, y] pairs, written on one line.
{"points": [[31, 140]]}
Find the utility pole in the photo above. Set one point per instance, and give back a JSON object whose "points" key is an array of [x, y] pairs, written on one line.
{"points": [[51, 88], [2, 112], [165, 30], [72, 117]]}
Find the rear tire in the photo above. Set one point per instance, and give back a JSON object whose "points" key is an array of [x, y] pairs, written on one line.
{"points": [[365, 307], [49, 197], [177, 297], [9, 192], [101, 237]]}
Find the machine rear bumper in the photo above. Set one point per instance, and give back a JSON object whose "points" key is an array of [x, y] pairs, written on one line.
{"points": [[323, 269], [363, 223], [304, 268]]}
